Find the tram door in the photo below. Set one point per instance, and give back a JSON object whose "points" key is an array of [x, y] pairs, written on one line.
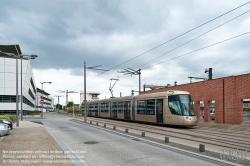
{"points": [[159, 111], [114, 110], [127, 110], [96, 110]]}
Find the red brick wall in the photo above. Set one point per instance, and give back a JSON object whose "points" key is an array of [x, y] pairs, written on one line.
{"points": [[227, 93]]}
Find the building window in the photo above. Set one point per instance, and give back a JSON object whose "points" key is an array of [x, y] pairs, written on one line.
{"points": [[32, 84], [94, 95], [7, 99], [31, 95]]}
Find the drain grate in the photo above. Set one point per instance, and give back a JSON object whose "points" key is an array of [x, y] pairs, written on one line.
{"points": [[91, 142], [135, 139]]}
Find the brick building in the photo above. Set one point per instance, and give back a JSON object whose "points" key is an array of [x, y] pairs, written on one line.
{"points": [[227, 93]]}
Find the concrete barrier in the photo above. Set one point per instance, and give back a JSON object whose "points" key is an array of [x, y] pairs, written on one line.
{"points": [[166, 139], [202, 148]]}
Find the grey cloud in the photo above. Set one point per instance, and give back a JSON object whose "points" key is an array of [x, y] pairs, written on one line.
{"points": [[60, 32]]}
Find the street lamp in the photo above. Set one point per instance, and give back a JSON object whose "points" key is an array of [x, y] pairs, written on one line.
{"points": [[93, 68], [42, 93], [19, 56]]}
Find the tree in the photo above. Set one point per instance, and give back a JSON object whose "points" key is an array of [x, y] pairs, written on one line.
{"points": [[58, 106], [70, 104]]}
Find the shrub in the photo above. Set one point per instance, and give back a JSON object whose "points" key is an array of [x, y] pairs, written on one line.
{"points": [[8, 117], [35, 112]]}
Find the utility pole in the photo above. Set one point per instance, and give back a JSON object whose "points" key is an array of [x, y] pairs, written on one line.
{"points": [[210, 74], [67, 95], [58, 99], [133, 72], [85, 103]]}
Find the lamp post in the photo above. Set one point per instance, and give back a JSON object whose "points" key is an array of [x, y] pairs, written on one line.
{"points": [[19, 56], [93, 68], [43, 92]]}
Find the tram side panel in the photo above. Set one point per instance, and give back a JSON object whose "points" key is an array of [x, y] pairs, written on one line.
{"points": [[105, 109], [145, 110]]}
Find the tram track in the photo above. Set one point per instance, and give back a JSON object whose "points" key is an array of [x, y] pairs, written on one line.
{"points": [[213, 137], [194, 138], [244, 138]]}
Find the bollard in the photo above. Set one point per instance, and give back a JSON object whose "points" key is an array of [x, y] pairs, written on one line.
{"points": [[143, 134], [96, 124], [90, 122], [202, 148], [104, 125], [166, 139], [114, 127], [126, 130]]}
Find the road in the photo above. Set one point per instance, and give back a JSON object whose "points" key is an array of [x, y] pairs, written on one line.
{"points": [[108, 148]]}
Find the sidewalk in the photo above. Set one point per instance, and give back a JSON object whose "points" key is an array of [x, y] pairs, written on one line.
{"points": [[31, 144]]}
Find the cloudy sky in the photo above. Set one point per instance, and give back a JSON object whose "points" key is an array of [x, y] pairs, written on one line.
{"points": [[117, 33]]}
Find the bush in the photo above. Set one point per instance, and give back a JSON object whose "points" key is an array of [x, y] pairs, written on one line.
{"points": [[35, 112], [8, 117]]}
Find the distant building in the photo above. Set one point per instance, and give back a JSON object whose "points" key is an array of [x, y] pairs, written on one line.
{"points": [[48, 101], [89, 96]]}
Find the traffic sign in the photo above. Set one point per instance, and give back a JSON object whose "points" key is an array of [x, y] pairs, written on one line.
{"points": [[41, 101]]}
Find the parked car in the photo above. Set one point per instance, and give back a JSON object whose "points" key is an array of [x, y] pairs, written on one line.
{"points": [[4, 129], [7, 122]]}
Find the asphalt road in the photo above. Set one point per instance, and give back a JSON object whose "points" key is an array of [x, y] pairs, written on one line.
{"points": [[87, 145]]}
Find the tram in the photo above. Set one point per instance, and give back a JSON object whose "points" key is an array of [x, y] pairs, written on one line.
{"points": [[172, 107]]}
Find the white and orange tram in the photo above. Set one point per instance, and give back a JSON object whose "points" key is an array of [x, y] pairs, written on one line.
{"points": [[172, 107]]}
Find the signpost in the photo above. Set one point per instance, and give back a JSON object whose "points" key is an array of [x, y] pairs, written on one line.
{"points": [[41, 101]]}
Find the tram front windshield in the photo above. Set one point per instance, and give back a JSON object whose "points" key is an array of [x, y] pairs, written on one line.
{"points": [[181, 105]]}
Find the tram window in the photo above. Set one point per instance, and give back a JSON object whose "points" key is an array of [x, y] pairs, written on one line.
{"points": [[146, 107], [120, 107], [150, 107], [174, 107], [141, 107], [104, 107]]}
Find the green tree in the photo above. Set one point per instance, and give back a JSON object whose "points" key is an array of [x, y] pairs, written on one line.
{"points": [[70, 104]]}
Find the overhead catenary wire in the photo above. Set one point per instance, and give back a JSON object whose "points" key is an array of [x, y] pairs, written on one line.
{"points": [[187, 53], [198, 49], [195, 38], [170, 40]]}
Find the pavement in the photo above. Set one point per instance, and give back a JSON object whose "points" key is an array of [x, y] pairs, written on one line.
{"points": [[30, 144], [33, 143]]}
